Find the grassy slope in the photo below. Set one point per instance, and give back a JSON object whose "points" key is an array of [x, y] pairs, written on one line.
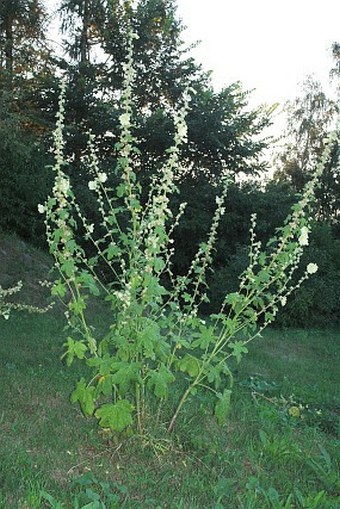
{"points": [[263, 458], [45, 442]]}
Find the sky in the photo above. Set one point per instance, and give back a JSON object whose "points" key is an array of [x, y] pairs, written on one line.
{"points": [[268, 45]]}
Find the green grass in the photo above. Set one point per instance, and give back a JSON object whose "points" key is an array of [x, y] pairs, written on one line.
{"points": [[262, 458]]}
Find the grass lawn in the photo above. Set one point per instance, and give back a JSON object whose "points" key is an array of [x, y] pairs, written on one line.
{"points": [[279, 449]]}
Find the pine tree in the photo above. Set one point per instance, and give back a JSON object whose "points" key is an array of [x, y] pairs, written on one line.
{"points": [[22, 41]]}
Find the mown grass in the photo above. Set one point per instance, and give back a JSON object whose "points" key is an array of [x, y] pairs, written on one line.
{"points": [[264, 457]]}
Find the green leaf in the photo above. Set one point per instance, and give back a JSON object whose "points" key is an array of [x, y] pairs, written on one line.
{"points": [[85, 396], [214, 375], [263, 276], [68, 267], [149, 338], [187, 297], [58, 289], [121, 190], [124, 374], [160, 380], [236, 300], [93, 505], [89, 282], [113, 251], [71, 245], [153, 290], [259, 303], [190, 365], [251, 314], [232, 298], [158, 264], [93, 261], [54, 503], [104, 386], [162, 349], [115, 416], [204, 338], [262, 259], [238, 350], [269, 317], [74, 349], [77, 305], [222, 406], [103, 364], [231, 325]]}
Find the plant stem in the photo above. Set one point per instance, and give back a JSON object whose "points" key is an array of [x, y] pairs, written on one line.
{"points": [[138, 407], [179, 407], [159, 409]]}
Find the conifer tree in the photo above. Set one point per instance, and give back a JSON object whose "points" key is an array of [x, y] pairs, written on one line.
{"points": [[22, 42]]}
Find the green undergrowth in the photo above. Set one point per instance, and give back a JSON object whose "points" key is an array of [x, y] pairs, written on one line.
{"points": [[279, 448]]}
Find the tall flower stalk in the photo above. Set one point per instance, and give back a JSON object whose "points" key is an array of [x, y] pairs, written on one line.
{"points": [[7, 306]]}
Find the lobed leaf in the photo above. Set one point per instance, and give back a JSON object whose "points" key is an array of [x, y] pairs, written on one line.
{"points": [[190, 365], [85, 395], [116, 416], [74, 349], [160, 380], [238, 349]]}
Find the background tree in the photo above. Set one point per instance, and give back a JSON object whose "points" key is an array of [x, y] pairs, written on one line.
{"points": [[26, 68], [224, 136], [163, 73], [335, 71], [24, 180], [81, 21], [22, 42], [310, 118]]}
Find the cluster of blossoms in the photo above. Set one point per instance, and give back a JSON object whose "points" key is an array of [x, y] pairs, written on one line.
{"points": [[195, 279], [6, 307], [101, 179], [312, 268], [154, 229], [124, 296], [303, 239]]}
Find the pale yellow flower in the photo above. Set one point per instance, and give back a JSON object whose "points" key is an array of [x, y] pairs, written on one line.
{"points": [[303, 239], [283, 300], [102, 177], [294, 411], [312, 268], [124, 120]]}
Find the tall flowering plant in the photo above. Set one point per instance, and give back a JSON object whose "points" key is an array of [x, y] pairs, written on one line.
{"points": [[156, 338]]}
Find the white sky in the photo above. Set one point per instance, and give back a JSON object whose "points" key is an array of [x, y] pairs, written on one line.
{"points": [[269, 45]]}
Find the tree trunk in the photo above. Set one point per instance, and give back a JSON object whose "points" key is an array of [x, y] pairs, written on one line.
{"points": [[9, 48], [84, 41]]}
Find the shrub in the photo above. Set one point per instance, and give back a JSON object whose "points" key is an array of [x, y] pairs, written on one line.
{"points": [[317, 303], [156, 339]]}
